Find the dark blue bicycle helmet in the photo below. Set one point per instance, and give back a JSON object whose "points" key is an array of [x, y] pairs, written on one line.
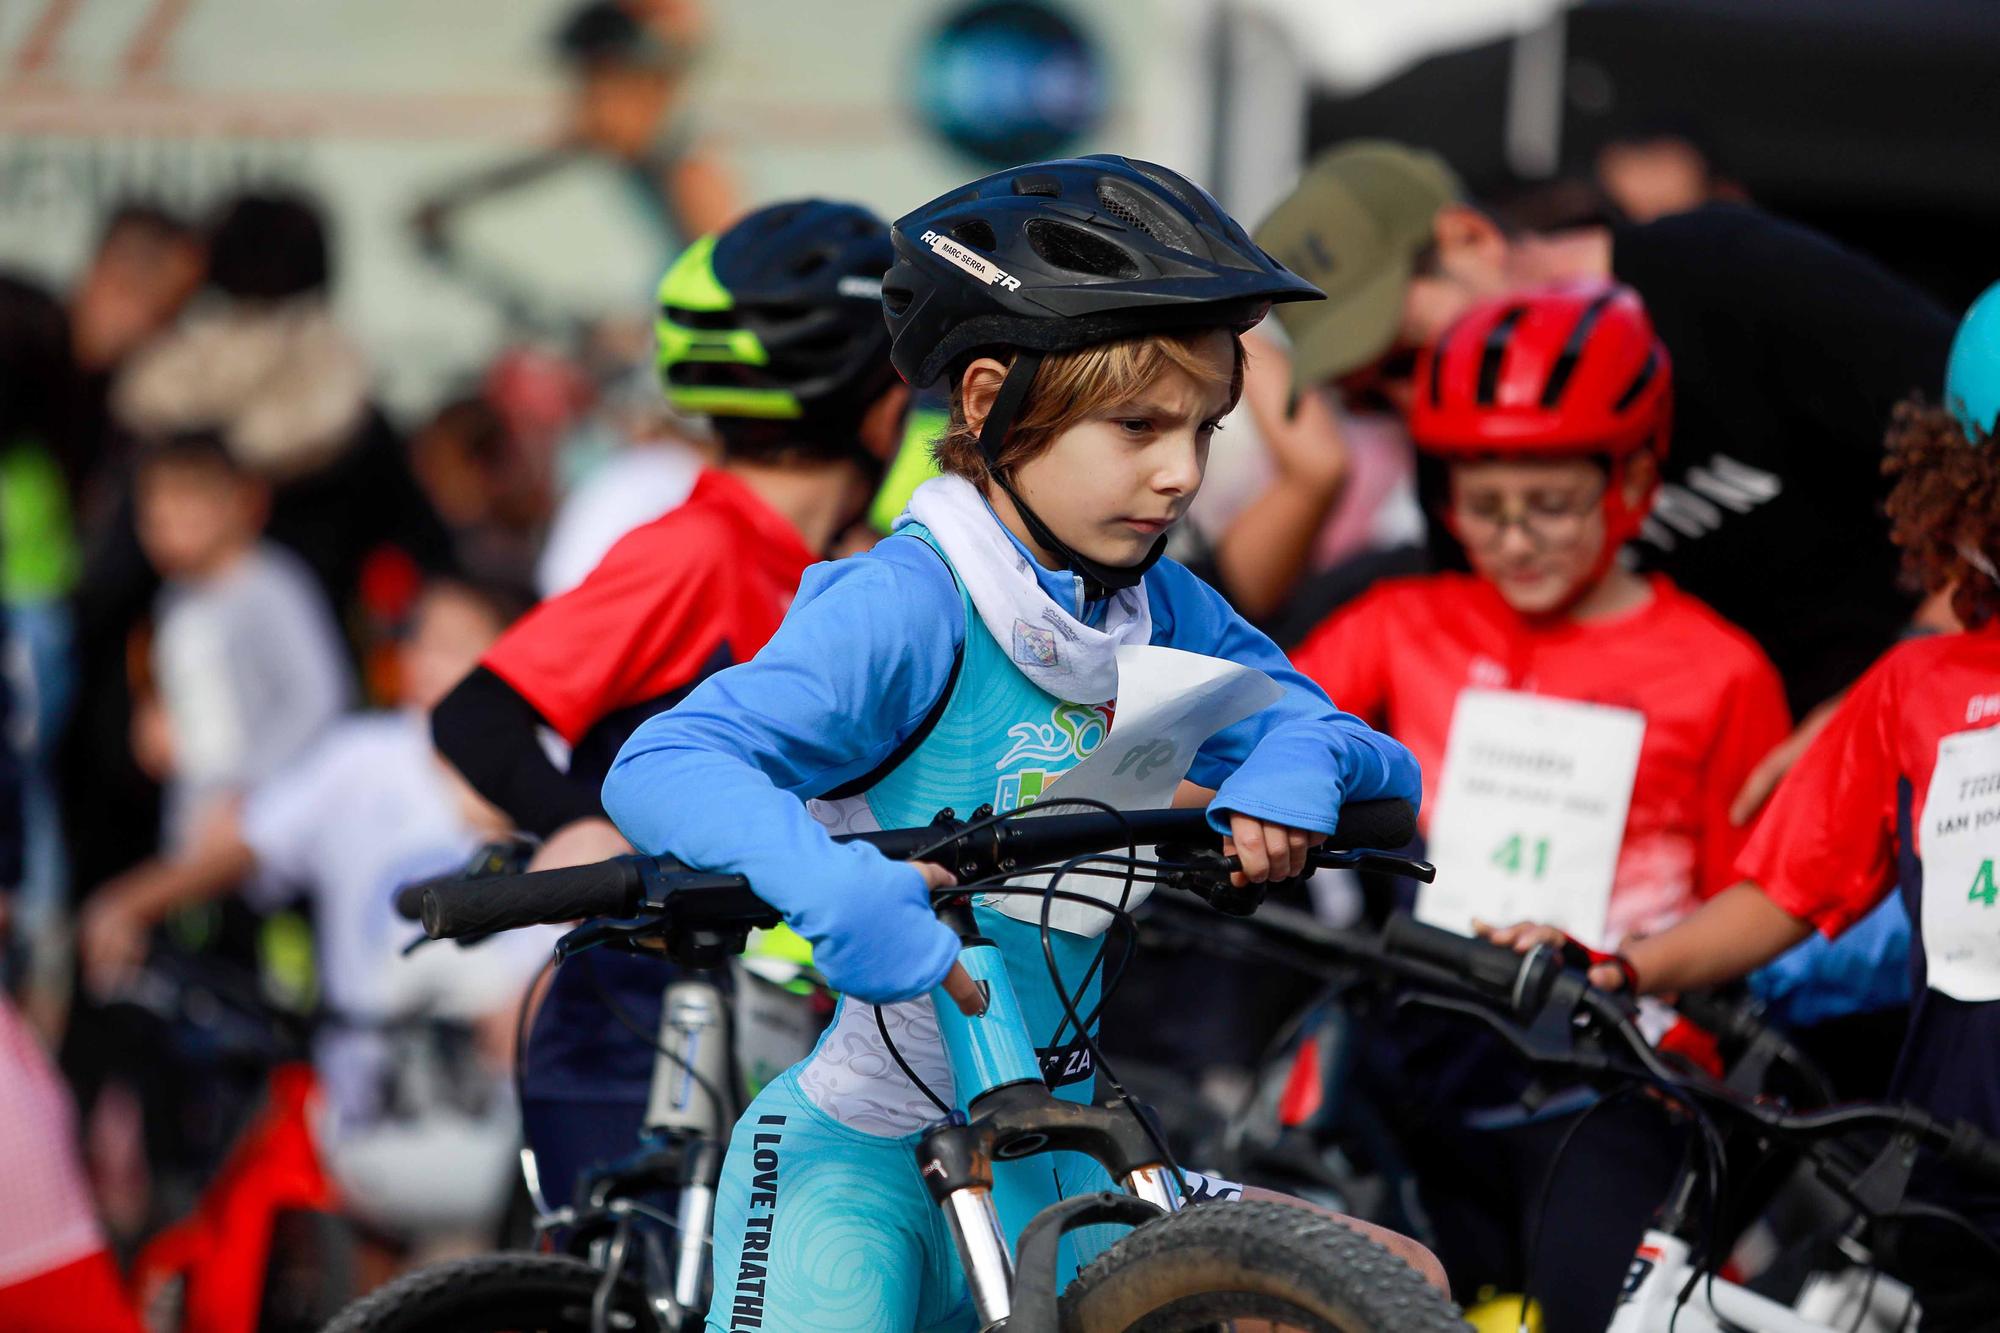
{"points": [[777, 319], [1055, 256]]}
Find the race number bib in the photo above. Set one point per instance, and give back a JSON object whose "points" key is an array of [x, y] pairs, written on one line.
{"points": [[1960, 838], [1530, 812]]}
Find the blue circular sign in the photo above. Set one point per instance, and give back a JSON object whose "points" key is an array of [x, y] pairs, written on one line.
{"points": [[1010, 81]]}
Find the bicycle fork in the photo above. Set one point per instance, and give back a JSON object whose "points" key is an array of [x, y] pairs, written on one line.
{"points": [[1010, 1114]]}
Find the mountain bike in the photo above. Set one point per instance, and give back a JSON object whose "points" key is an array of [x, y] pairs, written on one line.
{"points": [[629, 1249], [1179, 1268], [1864, 1153]]}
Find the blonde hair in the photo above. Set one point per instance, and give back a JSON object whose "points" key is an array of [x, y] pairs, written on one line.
{"points": [[1072, 387]]}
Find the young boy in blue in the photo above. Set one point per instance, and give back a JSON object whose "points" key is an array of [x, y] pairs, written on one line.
{"points": [[1086, 313]]}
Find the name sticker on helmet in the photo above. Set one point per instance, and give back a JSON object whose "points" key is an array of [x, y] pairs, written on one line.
{"points": [[952, 253]]}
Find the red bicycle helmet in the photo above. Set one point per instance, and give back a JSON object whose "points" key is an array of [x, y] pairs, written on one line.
{"points": [[1566, 372], [1571, 372]]}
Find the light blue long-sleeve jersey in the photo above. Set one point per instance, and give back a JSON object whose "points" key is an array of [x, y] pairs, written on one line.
{"points": [[864, 653]]}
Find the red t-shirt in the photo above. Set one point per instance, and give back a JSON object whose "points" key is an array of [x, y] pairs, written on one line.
{"points": [[697, 589], [1399, 655], [1847, 827]]}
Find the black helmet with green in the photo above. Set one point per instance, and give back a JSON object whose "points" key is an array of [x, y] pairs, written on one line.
{"points": [[1056, 256], [773, 329]]}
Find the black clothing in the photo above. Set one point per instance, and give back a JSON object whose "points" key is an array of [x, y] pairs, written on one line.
{"points": [[1789, 353], [488, 732]]}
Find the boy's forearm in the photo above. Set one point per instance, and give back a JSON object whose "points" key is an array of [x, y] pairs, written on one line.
{"points": [[1732, 935]]}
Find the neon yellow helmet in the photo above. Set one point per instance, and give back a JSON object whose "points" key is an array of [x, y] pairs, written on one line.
{"points": [[779, 318]]}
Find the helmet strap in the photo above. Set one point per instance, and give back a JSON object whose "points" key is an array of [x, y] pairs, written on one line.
{"points": [[1622, 522], [1099, 580]]}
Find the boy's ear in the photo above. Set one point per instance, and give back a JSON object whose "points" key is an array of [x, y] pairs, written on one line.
{"points": [[1641, 474], [977, 388]]}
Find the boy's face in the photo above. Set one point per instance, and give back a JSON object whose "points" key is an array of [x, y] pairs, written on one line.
{"points": [[193, 517], [1110, 485], [1533, 530]]}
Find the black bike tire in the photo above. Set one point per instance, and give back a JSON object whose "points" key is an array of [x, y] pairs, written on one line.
{"points": [[1248, 1261], [491, 1292]]}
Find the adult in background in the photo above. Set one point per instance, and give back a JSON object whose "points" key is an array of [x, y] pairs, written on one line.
{"points": [[1788, 350]]}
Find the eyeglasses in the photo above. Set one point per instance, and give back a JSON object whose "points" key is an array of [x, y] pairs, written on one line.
{"points": [[1546, 520]]}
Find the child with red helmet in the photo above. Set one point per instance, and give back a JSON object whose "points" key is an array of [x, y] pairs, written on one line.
{"points": [[1552, 412], [1581, 730]]}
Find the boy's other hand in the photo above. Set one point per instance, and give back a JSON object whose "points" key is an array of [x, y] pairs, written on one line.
{"points": [[1268, 851], [884, 943], [580, 842]]}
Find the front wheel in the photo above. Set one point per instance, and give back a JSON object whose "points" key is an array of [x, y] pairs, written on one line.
{"points": [[498, 1293], [1252, 1265]]}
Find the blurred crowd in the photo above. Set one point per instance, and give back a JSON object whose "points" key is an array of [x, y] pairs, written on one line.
{"points": [[235, 587]]}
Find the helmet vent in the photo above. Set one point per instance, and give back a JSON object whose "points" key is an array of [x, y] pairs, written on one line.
{"points": [[1078, 250], [1048, 187], [897, 299], [1163, 178], [701, 319], [1143, 212], [1572, 350], [1494, 353], [1639, 381], [976, 233]]}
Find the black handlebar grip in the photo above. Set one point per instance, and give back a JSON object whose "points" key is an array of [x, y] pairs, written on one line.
{"points": [[1492, 968], [546, 897], [1973, 1152], [409, 899], [1382, 825]]}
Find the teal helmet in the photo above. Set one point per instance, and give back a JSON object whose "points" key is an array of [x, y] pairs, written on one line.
{"points": [[1972, 374]]}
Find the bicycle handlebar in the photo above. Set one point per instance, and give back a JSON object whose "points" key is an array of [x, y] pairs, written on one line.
{"points": [[1520, 980], [1522, 984], [628, 885]]}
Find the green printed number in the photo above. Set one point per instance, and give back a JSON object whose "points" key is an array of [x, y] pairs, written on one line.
{"points": [[1983, 890], [1519, 855]]}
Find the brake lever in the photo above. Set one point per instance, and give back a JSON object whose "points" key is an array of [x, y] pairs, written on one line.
{"points": [[1387, 863]]}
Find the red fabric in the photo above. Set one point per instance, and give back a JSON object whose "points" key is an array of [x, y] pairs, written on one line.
{"points": [[1825, 850], [80, 1297], [1305, 1086], [718, 572], [1713, 704], [1696, 1045], [222, 1249]]}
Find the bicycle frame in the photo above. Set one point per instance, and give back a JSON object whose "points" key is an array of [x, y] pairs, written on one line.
{"points": [[683, 1139], [1660, 1271], [1007, 1112]]}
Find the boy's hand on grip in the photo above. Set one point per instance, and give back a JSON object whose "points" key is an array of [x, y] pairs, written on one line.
{"points": [[887, 945]]}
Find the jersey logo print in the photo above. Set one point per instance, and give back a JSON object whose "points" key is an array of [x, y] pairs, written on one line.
{"points": [[1033, 645], [1072, 732]]}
